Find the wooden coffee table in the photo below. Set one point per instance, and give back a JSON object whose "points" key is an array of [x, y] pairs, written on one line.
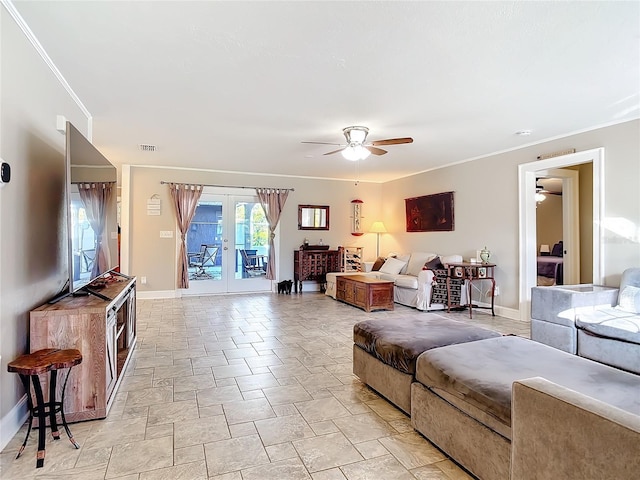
{"points": [[365, 292]]}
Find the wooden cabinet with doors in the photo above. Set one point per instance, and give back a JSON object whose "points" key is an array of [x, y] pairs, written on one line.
{"points": [[313, 264]]}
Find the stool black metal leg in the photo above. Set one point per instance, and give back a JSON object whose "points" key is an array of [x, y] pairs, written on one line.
{"points": [[52, 405], [27, 388], [64, 420], [42, 420]]}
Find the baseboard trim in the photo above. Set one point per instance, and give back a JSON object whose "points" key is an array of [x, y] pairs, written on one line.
{"points": [[157, 294], [12, 421], [509, 313]]}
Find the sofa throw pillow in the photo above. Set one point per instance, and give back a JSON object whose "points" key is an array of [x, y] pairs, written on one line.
{"points": [[451, 259], [405, 259], [434, 264], [392, 266], [629, 299], [377, 264], [417, 261]]}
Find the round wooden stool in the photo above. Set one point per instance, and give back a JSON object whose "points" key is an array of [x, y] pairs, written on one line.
{"points": [[32, 365]]}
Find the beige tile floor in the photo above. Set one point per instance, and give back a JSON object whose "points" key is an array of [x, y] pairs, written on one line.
{"points": [[246, 387]]}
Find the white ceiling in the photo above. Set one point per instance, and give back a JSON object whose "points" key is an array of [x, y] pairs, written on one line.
{"points": [[238, 85]]}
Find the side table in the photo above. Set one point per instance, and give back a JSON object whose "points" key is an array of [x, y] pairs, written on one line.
{"points": [[470, 272], [29, 366]]}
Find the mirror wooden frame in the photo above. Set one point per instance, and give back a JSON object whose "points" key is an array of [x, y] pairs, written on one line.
{"points": [[313, 217]]}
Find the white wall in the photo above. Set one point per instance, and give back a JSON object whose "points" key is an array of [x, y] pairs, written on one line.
{"points": [[549, 221], [154, 257], [33, 247], [486, 205]]}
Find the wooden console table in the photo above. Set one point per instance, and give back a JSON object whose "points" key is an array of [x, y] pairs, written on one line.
{"points": [[365, 292], [312, 264], [471, 272]]}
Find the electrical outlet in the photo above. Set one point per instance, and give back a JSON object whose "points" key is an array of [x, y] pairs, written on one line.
{"points": [[496, 291], [143, 280]]}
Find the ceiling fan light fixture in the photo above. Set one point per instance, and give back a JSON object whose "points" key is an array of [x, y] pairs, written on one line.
{"points": [[540, 197], [355, 153], [355, 135]]}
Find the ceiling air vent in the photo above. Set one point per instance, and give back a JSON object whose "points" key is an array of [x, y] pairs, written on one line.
{"points": [[147, 148]]}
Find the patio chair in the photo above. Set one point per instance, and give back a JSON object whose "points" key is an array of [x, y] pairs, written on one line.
{"points": [[206, 257], [253, 264]]}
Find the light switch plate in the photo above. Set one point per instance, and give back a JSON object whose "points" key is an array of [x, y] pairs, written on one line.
{"points": [[166, 234]]}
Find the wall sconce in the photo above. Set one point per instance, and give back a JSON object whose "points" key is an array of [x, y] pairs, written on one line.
{"points": [[378, 228]]}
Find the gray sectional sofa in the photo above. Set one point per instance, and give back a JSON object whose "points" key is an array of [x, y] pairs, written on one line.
{"points": [[461, 397], [596, 322]]}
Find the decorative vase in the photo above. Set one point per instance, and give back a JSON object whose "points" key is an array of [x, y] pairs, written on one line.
{"points": [[485, 255]]}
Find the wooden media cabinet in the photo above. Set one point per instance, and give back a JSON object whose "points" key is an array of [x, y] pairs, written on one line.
{"points": [[104, 331]]}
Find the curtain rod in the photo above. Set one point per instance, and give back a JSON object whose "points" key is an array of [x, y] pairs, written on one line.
{"points": [[162, 182]]}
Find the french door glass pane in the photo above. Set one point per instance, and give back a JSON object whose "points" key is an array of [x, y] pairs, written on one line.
{"points": [[252, 236], [204, 242]]}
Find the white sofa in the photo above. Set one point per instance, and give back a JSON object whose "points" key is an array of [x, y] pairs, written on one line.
{"points": [[412, 285]]}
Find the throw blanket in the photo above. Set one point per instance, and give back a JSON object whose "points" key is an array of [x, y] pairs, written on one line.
{"points": [[439, 288]]}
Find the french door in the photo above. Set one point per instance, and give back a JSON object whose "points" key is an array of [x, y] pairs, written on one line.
{"points": [[227, 245]]}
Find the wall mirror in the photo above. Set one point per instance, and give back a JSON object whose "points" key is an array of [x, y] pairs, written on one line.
{"points": [[313, 217]]}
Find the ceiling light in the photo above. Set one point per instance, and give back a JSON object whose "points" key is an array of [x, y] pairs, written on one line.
{"points": [[355, 153], [540, 197]]}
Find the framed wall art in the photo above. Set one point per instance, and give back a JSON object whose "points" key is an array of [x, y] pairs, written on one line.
{"points": [[430, 213]]}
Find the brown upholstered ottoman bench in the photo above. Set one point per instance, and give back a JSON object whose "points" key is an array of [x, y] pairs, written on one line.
{"points": [[461, 399], [385, 350]]}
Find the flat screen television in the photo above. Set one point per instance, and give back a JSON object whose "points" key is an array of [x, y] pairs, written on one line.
{"points": [[92, 214]]}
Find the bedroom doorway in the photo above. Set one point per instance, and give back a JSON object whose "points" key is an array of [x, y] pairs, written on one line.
{"points": [[527, 213], [558, 225]]}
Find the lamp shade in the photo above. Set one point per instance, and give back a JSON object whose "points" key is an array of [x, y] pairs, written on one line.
{"points": [[378, 227], [544, 249]]}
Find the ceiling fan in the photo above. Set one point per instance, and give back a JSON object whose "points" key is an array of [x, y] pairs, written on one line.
{"points": [[356, 149], [542, 192]]}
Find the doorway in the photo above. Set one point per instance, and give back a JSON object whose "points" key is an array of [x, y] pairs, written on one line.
{"points": [[227, 245], [527, 213], [566, 259]]}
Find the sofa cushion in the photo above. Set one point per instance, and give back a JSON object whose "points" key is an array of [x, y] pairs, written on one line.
{"points": [[404, 258], [477, 376], [378, 264], [434, 264], [406, 281], [392, 266], [451, 259], [417, 261], [612, 323], [629, 299], [398, 342]]}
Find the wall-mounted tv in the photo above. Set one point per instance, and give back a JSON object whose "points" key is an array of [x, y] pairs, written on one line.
{"points": [[92, 201]]}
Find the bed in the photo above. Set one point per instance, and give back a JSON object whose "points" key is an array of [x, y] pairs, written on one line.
{"points": [[550, 270]]}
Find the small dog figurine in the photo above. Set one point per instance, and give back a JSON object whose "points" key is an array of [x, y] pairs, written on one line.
{"points": [[285, 286]]}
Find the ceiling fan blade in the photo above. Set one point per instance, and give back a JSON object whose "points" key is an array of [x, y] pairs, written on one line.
{"points": [[375, 150], [335, 151], [393, 141], [322, 143]]}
